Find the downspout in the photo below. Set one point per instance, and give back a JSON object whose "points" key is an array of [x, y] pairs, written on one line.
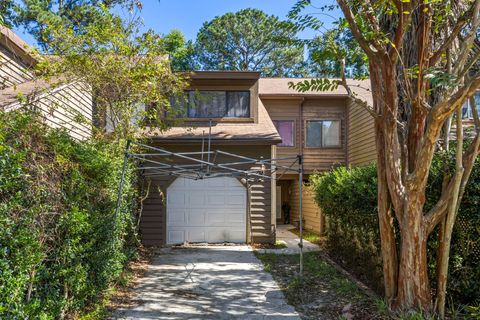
{"points": [[301, 142]]}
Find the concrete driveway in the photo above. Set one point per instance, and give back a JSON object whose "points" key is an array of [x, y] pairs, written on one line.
{"points": [[211, 282]]}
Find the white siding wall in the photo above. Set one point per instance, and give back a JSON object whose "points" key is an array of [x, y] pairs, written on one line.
{"points": [[68, 106], [12, 71]]}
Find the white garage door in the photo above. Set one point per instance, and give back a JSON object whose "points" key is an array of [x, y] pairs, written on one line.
{"points": [[210, 210]]}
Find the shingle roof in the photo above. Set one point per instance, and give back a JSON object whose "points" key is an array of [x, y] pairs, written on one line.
{"points": [[28, 90], [280, 87], [263, 131]]}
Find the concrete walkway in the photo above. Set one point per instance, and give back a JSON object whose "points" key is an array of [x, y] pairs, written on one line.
{"points": [[210, 282], [291, 240]]}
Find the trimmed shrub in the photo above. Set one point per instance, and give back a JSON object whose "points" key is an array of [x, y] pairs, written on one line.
{"points": [[348, 197], [61, 245]]}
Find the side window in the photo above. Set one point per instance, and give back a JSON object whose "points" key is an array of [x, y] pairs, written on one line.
{"points": [[323, 133], [286, 129], [331, 134]]}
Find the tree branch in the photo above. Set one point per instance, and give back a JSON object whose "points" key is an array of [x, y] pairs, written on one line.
{"points": [[452, 36], [352, 95], [467, 44], [364, 43], [435, 120]]}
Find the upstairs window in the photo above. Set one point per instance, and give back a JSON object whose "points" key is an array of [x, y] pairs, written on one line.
{"points": [[216, 104], [323, 133], [286, 129]]}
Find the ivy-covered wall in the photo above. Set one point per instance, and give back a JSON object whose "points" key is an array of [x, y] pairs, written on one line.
{"points": [[347, 197], [60, 244]]}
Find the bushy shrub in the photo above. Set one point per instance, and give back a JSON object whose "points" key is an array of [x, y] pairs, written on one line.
{"points": [[60, 244], [347, 196]]}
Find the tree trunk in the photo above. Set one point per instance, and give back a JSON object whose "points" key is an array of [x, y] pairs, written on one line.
{"points": [[385, 220], [413, 286]]}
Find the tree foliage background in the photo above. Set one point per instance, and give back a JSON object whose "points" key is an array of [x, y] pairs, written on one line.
{"points": [[250, 40]]}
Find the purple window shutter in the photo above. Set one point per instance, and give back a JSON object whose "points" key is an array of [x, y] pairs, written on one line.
{"points": [[285, 129]]}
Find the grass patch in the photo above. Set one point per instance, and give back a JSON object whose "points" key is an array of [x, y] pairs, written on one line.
{"points": [[310, 236], [280, 244], [322, 292]]}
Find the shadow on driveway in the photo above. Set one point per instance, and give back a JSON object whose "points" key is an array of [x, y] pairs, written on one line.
{"points": [[207, 282]]}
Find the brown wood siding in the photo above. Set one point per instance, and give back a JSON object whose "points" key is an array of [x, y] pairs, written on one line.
{"points": [[361, 140], [12, 71], [312, 215], [64, 107], [288, 109], [259, 225], [325, 108], [321, 159]]}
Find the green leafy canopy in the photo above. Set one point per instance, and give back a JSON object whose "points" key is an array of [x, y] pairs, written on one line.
{"points": [[250, 40]]}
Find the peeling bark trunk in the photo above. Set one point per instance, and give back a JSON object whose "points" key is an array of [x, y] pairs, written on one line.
{"points": [[385, 220], [413, 286]]}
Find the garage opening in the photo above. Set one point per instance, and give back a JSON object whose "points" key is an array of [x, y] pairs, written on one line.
{"points": [[207, 202], [206, 210]]}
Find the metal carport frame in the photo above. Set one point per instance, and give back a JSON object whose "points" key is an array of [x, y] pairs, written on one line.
{"points": [[203, 165]]}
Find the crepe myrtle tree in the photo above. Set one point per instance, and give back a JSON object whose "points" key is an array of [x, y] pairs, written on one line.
{"points": [[128, 71], [423, 65]]}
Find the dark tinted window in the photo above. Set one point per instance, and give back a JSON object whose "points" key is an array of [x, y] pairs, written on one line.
{"points": [[214, 104]]}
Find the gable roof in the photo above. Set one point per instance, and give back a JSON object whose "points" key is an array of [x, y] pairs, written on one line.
{"points": [[263, 131]]}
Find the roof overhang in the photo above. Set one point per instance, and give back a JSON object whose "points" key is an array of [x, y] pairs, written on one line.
{"points": [[13, 43], [225, 75]]}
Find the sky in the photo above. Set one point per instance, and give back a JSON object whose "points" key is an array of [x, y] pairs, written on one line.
{"points": [[189, 15]]}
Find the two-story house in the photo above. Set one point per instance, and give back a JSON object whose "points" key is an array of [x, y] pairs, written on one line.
{"points": [[256, 118]]}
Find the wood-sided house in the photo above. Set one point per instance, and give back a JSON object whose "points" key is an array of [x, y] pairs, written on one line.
{"points": [[251, 116], [257, 118]]}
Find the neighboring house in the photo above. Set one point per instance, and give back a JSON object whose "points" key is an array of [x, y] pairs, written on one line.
{"points": [[62, 105], [257, 118]]}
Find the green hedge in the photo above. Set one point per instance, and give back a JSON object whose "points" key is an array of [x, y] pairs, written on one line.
{"points": [[60, 246], [348, 199]]}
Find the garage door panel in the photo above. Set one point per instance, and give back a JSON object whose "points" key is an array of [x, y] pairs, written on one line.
{"points": [[237, 236], [177, 217], [196, 218], [176, 236], [235, 218], [196, 199], [216, 199], [217, 235], [218, 182], [196, 235], [176, 200], [212, 210], [216, 217], [236, 198]]}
